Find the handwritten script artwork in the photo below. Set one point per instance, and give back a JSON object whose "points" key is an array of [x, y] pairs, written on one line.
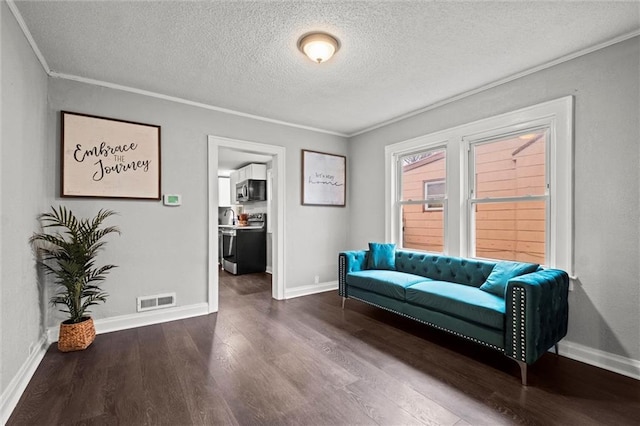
{"points": [[103, 157], [323, 179]]}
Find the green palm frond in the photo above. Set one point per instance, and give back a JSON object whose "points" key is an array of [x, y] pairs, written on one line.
{"points": [[68, 253]]}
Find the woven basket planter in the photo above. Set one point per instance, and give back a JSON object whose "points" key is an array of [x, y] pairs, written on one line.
{"points": [[76, 337]]}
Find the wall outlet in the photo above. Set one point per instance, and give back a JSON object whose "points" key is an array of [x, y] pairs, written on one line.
{"points": [[316, 279]]}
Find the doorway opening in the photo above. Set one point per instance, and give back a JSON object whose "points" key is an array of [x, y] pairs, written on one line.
{"points": [[216, 144]]}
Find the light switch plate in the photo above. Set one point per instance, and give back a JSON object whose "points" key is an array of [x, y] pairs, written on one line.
{"points": [[172, 200]]}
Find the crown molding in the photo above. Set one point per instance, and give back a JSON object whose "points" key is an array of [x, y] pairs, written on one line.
{"points": [[505, 80], [25, 30], [23, 26], [557, 61], [149, 93]]}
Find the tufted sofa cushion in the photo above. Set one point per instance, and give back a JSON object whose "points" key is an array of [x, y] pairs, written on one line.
{"points": [[459, 300], [384, 282], [438, 267]]}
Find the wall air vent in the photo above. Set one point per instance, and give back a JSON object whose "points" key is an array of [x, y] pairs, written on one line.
{"points": [[159, 301]]}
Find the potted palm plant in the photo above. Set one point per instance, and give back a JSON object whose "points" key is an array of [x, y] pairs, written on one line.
{"points": [[69, 254]]}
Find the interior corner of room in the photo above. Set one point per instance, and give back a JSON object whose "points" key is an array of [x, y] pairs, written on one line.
{"points": [[237, 177]]}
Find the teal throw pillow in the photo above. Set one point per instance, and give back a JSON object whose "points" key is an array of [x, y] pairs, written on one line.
{"points": [[496, 282], [382, 256]]}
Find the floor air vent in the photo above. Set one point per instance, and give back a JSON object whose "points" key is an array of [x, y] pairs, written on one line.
{"points": [[159, 301]]}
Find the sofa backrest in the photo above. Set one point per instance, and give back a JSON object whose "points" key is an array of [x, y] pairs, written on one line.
{"points": [[472, 272]]}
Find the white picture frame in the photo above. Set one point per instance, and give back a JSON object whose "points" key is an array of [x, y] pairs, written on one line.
{"points": [[324, 179]]}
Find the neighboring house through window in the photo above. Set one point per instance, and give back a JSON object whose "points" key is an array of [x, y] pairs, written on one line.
{"points": [[433, 190], [509, 197], [422, 199]]}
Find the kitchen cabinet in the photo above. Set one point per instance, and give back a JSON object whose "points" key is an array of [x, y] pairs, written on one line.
{"points": [[233, 178], [241, 174], [252, 171], [224, 191], [257, 171]]}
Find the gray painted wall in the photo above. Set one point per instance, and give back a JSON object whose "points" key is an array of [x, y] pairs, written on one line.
{"points": [[605, 305], [23, 194], [164, 249]]}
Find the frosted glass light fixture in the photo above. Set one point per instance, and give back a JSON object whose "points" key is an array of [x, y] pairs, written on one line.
{"points": [[319, 47]]}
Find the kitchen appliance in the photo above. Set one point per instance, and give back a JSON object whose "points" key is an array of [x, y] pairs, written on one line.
{"points": [[251, 190], [244, 248]]}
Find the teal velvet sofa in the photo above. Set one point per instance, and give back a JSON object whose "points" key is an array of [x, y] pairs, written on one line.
{"points": [[523, 319]]}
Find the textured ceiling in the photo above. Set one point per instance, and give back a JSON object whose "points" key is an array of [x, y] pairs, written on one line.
{"points": [[395, 57]]}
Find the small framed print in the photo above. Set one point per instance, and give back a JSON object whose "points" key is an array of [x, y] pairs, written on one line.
{"points": [[324, 179], [109, 158]]}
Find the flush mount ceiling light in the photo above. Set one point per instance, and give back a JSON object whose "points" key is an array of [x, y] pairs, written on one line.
{"points": [[319, 47]]}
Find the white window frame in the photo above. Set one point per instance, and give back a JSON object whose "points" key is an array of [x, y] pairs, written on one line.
{"points": [[557, 115], [472, 200], [395, 229]]}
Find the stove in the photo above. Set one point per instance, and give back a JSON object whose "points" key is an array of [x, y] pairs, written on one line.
{"points": [[244, 248]]}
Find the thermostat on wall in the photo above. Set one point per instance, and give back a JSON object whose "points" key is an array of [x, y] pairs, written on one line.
{"points": [[171, 199]]}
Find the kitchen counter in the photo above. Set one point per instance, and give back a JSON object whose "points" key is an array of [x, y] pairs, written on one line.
{"points": [[238, 227]]}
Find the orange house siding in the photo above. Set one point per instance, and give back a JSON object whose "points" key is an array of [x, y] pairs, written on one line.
{"points": [[423, 230], [513, 231]]}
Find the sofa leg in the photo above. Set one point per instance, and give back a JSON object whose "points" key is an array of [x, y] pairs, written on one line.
{"points": [[344, 299], [523, 372], [556, 348]]}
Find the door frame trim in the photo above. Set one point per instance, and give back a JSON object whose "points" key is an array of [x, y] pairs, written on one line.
{"points": [[214, 143]]}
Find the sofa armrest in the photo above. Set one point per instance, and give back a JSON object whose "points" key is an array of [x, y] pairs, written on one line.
{"points": [[349, 261], [537, 313]]}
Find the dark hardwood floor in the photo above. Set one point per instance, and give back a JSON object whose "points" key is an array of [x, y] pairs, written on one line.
{"points": [[305, 361]]}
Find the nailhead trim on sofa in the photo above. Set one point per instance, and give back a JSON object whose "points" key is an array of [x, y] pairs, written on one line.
{"points": [[518, 304], [342, 285]]}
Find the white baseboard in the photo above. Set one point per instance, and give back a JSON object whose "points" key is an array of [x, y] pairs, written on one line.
{"points": [[11, 395], [123, 322], [618, 364], [310, 289], [269, 270]]}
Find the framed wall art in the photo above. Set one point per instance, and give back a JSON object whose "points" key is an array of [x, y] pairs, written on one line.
{"points": [[324, 179], [109, 158]]}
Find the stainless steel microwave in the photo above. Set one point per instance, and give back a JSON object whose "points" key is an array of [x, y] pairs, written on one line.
{"points": [[251, 190]]}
